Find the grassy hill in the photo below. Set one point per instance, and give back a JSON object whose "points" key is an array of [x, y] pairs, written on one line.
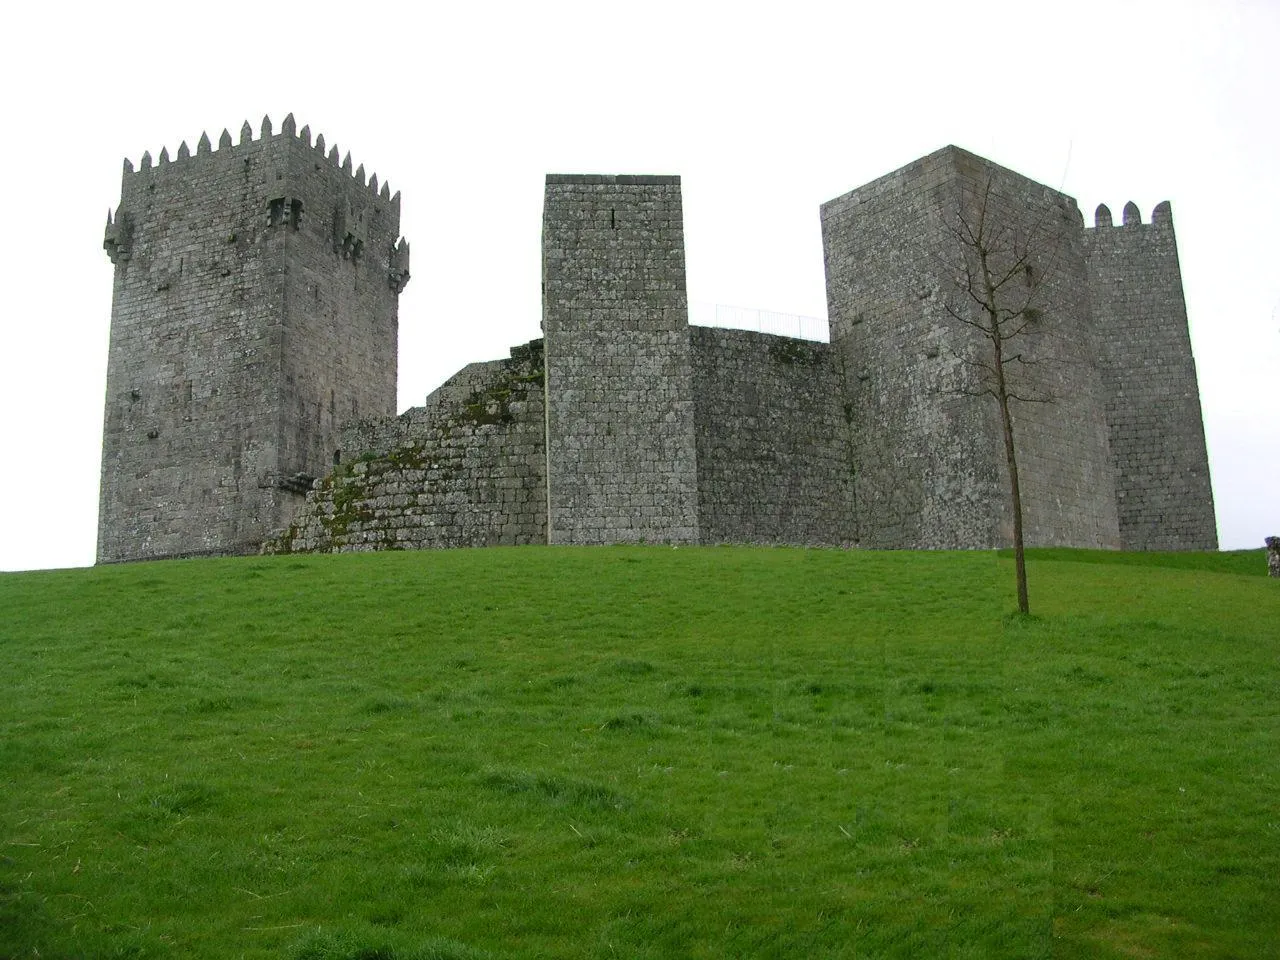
{"points": [[641, 752]]}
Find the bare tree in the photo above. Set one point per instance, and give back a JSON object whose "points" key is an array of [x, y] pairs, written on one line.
{"points": [[1000, 277]]}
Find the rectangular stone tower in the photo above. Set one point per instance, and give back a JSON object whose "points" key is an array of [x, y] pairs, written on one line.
{"points": [[254, 310], [621, 454], [928, 449], [1164, 498]]}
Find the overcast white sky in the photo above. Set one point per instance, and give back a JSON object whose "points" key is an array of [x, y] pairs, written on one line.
{"points": [[765, 110]]}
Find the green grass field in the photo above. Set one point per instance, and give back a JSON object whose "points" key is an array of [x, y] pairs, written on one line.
{"points": [[641, 752]]}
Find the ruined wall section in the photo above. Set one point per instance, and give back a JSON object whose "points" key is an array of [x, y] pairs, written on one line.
{"points": [[1164, 497], [468, 473], [375, 435], [929, 452], [620, 418], [222, 388], [774, 457]]}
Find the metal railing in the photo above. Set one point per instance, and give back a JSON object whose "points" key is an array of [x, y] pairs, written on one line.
{"points": [[704, 314]]}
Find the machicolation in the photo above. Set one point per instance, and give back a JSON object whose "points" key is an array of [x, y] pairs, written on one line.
{"points": [[252, 374]]}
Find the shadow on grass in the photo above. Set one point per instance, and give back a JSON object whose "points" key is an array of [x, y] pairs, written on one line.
{"points": [[557, 791], [1243, 562]]}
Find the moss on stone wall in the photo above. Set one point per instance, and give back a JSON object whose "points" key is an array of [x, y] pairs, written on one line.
{"points": [[469, 476], [797, 352]]}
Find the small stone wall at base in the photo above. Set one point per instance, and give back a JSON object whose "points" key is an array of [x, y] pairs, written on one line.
{"points": [[472, 475]]}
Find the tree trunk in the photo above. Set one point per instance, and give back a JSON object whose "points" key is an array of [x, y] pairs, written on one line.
{"points": [[1015, 492], [1011, 459]]}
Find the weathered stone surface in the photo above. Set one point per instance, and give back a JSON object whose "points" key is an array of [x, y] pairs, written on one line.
{"points": [[620, 425], [928, 451], [251, 315], [465, 470], [254, 348], [774, 457], [1273, 556]]}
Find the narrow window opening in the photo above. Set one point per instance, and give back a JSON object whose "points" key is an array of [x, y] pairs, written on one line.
{"points": [[613, 220], [337, 457], [284, 210]]}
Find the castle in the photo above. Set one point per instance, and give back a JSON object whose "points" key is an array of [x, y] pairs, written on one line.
{"points": [[252, 372]]}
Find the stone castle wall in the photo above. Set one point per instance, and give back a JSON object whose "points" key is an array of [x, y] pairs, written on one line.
{"points": [[469, 471], [620, 422], [927, 441], [1065, 465], [468, 467], [1164, 496], [380, 434], [253, 350], [774, 461], [927, 469], [247, 323]]}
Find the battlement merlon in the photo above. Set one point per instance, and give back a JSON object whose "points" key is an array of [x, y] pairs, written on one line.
{"points": [[293, 158], [398, 269], [139, 178], [1161, 216], [117, 240]]}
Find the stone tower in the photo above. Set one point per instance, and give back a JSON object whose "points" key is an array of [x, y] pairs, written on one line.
{"points": [[621, 453], [254, 310], [930, 465], [1163, 495]]}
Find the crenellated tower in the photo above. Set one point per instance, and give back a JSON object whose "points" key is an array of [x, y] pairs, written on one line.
{"points": [[254, 310], [1163, 494]]}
